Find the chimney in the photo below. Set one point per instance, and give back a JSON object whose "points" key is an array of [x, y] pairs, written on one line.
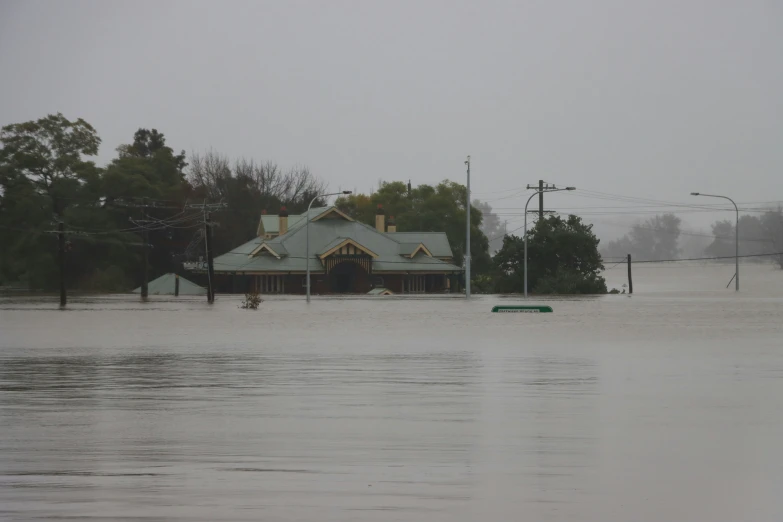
{"points": [[283, 226], [379, 219], [391, 225]]}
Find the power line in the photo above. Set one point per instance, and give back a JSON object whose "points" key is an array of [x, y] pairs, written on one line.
{"points": [[707, 258]]}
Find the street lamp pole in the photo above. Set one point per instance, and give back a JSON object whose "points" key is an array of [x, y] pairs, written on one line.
{"points": [[467, 238], [307, 226], [736, 235], [525, 236]]}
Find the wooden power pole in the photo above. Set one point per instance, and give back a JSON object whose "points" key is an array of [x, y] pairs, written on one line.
{"points": [[61, 256], [145, 250], [210, 261], [630, 280]]}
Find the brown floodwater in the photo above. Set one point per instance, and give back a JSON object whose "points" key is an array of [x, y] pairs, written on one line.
{"points": [[664, 405]]}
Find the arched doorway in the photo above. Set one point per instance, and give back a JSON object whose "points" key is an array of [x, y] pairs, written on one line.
{"points": [[348, 277]]}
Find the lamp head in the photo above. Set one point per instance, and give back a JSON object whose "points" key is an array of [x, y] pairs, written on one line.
{"points": [[570, 188], [695, 194], [347, 192]]}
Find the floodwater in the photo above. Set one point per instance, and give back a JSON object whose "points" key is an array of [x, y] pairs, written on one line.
{"points": [[664, 405]]}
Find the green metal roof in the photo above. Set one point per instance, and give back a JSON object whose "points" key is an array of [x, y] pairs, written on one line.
{"points": [[164, 285], [271, 223], [436, 242], [328, 232]]}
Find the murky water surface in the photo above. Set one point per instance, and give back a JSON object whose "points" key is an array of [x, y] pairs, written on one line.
{"points": [[667, 405]]}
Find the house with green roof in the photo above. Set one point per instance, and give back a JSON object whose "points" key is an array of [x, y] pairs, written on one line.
{"points": [[345, 256]]}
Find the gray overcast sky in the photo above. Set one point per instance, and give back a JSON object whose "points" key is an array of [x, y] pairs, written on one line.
{"points": [[643, 98]]}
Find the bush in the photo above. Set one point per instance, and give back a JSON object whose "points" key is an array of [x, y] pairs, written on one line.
{"points": [[251, 302], [482, 284]]}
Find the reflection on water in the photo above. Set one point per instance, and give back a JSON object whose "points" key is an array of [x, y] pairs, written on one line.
{"points": [[618, 408]]}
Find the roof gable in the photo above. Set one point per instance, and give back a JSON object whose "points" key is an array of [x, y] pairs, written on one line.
{"points": [[436, 242], [348, 245], [278, 251], [332, 213], [421, 248]]}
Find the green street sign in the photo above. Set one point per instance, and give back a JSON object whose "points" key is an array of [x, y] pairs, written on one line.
{"points": [[513, 309]]}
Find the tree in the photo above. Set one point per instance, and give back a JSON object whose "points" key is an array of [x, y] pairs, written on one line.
{"points": [[772, 224], [427, 209], [145, 172], [491, 226], [248, 188], [755, 237], [150, 143], [48, 152], [723, 244], [654, 239], [44, 178], [563, 258]]}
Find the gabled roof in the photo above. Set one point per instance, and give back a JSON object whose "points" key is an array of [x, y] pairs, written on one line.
{"points": [[278, 251], [325, 235], [331, 212], [411, 249], [165, 285], [341, 242], [436, 242]]}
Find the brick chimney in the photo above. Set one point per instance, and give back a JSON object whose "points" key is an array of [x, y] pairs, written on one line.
{"points": [[391, 225], [283, 226], [379, 219]]}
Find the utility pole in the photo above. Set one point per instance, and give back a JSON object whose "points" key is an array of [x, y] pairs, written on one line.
{"points": [[541, 188], [61, 255], [210, 261], [630, 280], [208, 225], [145, 250], [467, 238]]}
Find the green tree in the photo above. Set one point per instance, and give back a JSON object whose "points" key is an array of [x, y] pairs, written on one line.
{"points": [[44, 179], [427, 209], [48, 152], [145, 172], [563, 258]]}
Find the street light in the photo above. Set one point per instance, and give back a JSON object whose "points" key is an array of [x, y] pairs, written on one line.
{"points": [[307, 226], [736, 236], [525, 236]]}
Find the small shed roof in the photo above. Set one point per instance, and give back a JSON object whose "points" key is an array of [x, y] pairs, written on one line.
{"points": [[164, 285]]}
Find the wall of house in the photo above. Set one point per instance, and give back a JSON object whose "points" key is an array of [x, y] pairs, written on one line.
{"points": [[320, 284]]}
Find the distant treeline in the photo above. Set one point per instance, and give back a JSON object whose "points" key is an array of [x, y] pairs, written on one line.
{"points": [[661, 237]]}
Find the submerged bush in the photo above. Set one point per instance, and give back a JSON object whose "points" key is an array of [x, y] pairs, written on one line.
{"points": [[251, 301]]}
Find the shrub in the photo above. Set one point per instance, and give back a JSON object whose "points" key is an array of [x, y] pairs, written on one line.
{"points": [[251, 302]]}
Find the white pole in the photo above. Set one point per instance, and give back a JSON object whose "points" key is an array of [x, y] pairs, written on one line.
{"points": [[736, 235], [467, 239]]}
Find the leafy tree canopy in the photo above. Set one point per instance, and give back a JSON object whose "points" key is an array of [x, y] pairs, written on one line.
{"points": [[563, 258]]}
